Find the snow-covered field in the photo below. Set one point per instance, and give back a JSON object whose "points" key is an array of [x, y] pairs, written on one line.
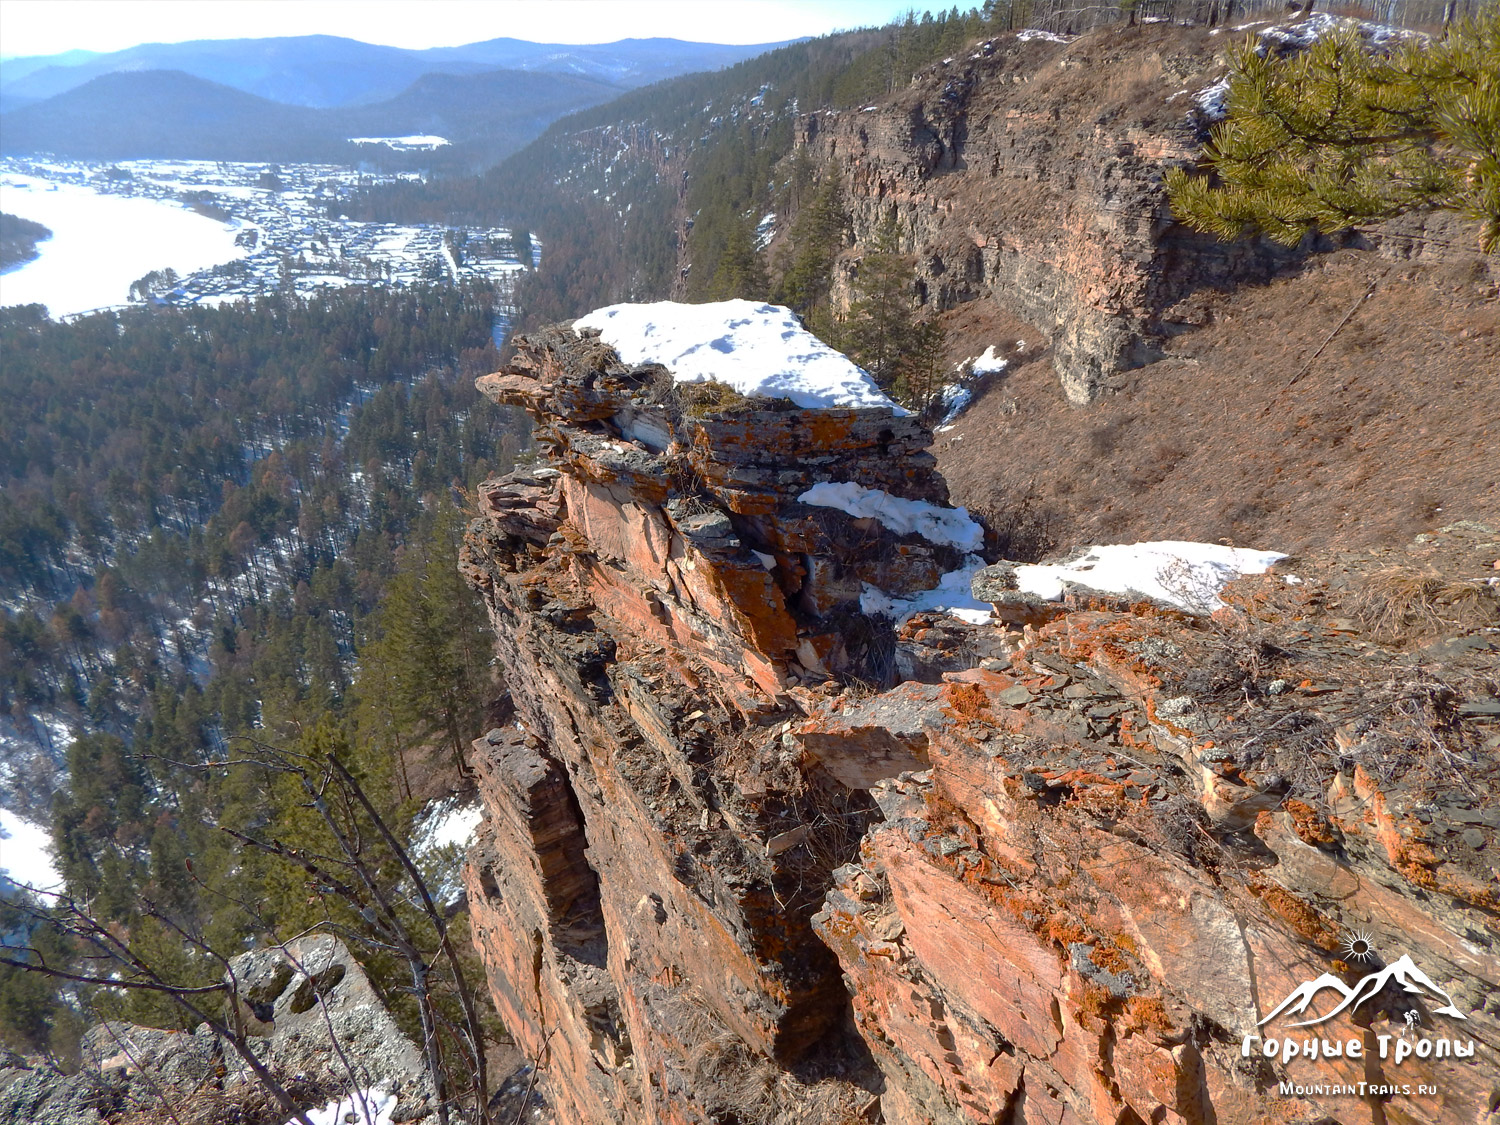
{"points": [[421, 142], [101, 243], [758, 349], [26, 855]]}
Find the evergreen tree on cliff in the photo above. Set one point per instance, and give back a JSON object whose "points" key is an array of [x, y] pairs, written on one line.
{"points": [[817, 236], [740, 272], [879, 327], [1341, 135]]}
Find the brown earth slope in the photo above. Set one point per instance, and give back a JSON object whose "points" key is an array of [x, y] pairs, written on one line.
{"points": [[1239, 434]]}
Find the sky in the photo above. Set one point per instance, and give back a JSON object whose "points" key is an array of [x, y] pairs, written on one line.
{"points": [[45, 27]]}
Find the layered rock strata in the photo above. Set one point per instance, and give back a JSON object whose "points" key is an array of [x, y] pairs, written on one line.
{"points": [[733, 870]]}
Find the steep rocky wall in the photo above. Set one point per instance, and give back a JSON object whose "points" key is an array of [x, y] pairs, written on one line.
{"points": [[1029, 173], [731, 872]]}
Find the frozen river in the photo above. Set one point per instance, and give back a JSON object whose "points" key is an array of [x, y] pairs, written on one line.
{"points": [[101, 243]]}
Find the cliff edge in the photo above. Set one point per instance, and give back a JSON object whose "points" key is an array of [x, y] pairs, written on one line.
{"points": [[786, 829]]}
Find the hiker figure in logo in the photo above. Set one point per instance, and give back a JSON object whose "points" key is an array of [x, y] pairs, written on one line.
{"points": [[1413, 1021]]}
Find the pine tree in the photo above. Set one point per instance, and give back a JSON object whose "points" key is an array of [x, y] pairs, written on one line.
{"points": [[923, 364], [879, 326], [433, 641], [740, 272], [1343, 134], [816, 238]]}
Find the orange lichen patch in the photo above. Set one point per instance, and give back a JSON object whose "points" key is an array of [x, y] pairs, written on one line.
{"points": [[1065, 930], [1081, 778], [1309, 826], [967, 701], [1103, 640], [1094, 1003], [1302, 918], [1468, 889], [1109, 958], [1415, 861], [1143, 1012]]}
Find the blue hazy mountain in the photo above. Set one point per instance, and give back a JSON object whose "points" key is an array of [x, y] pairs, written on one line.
{"points": [[172, 114], [326, 71]]}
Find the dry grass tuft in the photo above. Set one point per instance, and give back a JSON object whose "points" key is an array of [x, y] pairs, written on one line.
{"points": [[1402, 604], [698, 399]]}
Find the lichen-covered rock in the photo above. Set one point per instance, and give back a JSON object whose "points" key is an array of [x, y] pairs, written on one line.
{"points": [[733, 870]]}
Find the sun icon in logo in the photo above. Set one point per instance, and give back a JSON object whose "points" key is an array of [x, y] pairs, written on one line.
{"points": [[1358, 946]]}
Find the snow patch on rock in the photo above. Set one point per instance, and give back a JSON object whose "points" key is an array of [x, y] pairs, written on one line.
{"points": [[758, 349], [950, 527], [1031, 33], [368, 1107], [952, 595], [1187, 575]]}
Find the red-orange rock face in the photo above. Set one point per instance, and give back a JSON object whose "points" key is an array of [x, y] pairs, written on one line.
{"points": [[733, 871]]}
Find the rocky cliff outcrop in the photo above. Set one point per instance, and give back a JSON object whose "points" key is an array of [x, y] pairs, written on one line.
{"points": [[1028, 173], [311, 1017], [753, 855]]}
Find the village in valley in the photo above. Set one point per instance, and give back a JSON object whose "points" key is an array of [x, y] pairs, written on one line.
{"points": [[289, 231]]}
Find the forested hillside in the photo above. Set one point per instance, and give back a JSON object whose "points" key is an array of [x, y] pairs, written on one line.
{"points": [[223, 529]]}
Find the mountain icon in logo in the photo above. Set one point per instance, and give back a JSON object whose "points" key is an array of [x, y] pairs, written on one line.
{"points": [[1403, 971]]}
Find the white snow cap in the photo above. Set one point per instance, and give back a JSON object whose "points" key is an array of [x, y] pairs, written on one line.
{"points": [[1189, 575], [950, 527], [755, 348]]}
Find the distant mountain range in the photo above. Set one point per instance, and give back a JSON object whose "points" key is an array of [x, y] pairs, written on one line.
{"points": [[170, 114], [326, 71], [300, 99]]}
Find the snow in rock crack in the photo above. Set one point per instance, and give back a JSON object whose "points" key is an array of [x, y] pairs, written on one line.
{"points": [[950, 527], [952, 595], [758, 349]]}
